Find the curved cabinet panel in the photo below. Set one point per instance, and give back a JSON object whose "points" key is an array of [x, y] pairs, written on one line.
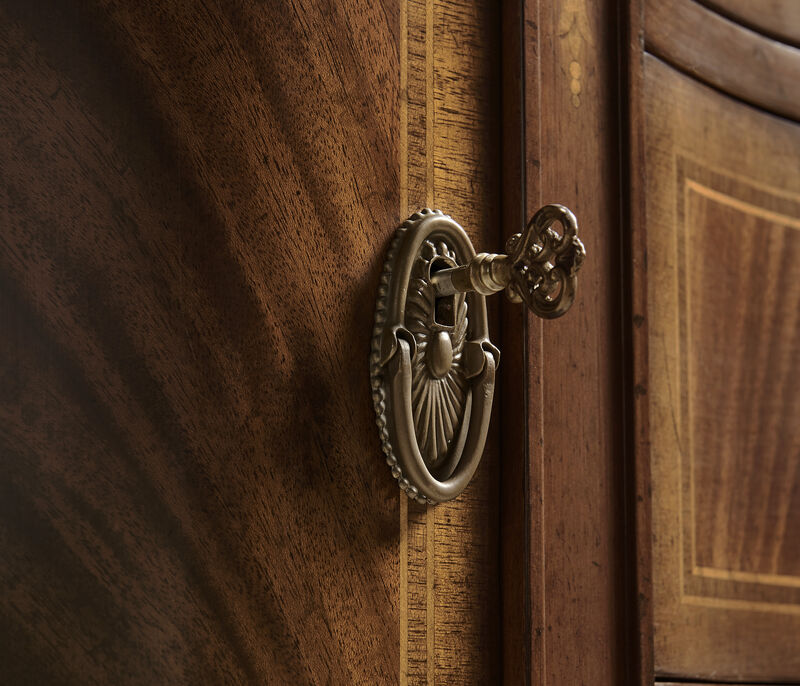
{"points": [[777, 18], [723, 225], [724, 54]]}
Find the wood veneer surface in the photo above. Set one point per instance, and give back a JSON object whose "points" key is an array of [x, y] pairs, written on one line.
{"points": [[196, 204], [563, 504], [723, 231], [777, 18], [725, 54]]}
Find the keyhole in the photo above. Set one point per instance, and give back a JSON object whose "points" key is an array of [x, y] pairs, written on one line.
{"points": [[444, 310], [444, 307]]}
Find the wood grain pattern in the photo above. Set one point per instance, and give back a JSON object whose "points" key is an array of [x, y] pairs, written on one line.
{"points": [[453, 595], [724, 54], [192, 199], [196, 205], [723, 233], [517, 536], [744, 394], [569, 584], [777, 18], [466, 183], [420, 134]]}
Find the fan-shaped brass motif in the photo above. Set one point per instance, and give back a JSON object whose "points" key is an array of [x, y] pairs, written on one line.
{"points": [[438, 386]]}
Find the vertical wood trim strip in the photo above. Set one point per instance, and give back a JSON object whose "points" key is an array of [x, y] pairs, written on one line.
{"points": [[521, 500], [403, 600], [403, 113], [418, 195], [429, 102], [638, 520], [430, 529], [539, 671], [430, 525], [534, 392], [541, 611], [403, 589]]}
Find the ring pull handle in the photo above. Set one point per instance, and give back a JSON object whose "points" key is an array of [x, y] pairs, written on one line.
{"points": [[432, 364]]}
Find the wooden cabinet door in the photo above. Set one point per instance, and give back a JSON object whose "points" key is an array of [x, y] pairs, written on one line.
{"points": [[721, 143], [196, 203], [651, 479]]}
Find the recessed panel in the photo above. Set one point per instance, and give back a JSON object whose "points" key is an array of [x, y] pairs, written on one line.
{"points": [[723, 272], [740, 382]]}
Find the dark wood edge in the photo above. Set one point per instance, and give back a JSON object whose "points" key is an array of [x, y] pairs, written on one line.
{"points": [[725, 55], [515, 543], [518, 569], [639, 619]]}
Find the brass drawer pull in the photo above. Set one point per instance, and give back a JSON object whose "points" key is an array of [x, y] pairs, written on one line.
{"points": [[432, 364]]}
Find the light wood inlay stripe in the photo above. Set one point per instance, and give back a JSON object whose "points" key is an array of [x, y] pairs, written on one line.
{"points": [[403, 599], [430, 567], [403, 589], [429, 102], [690, 596], [752, 577], [418, 546], [735, 604], [430, 123], [403, 108], [742, 206]]}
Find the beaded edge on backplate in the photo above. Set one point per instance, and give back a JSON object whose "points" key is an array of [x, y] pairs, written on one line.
{"points": [[376, 371]]}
